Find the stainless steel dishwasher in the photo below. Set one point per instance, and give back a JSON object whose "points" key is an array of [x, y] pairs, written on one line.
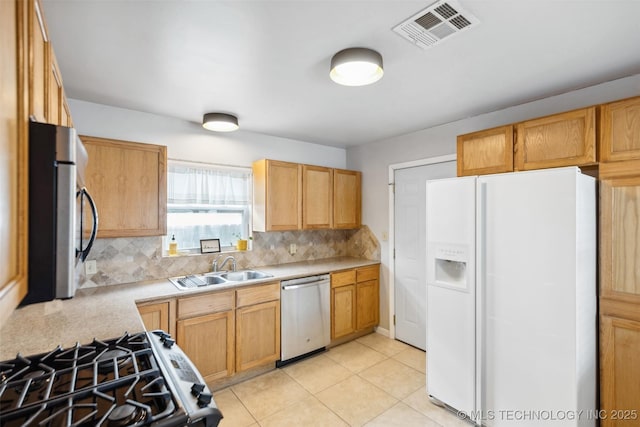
{"points": [[304, 317]]}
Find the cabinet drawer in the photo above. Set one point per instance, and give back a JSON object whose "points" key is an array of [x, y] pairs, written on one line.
{"points": [[343, 278], [258, 294], [205, 304], [368, 273]]}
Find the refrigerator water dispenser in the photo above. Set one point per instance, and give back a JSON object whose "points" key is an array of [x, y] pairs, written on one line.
{"points": [[451, 267]]}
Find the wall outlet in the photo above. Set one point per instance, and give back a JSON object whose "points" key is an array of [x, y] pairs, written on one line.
{"points": [[293, 248], [90, 267]]}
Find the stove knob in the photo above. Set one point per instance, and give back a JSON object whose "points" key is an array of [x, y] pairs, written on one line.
{"points": [[164, 336], [169, 342], [196, 389], [204, 399]]}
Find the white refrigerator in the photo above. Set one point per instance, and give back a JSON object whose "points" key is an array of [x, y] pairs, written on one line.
{"points": [[511, 297]]}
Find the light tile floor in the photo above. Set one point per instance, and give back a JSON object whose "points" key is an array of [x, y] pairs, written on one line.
{"points": [[372, 381]]}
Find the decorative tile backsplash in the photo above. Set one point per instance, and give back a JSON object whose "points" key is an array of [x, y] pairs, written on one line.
{"points": [[132, 259]]}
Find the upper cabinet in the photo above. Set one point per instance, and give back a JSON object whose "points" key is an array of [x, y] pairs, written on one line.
{"points": [[346, 198], [277, 195], [487, 151], [291, 196], [38, 61], [128, 182], [565, 139], [620, 130], [317, 197], [47, 100]]}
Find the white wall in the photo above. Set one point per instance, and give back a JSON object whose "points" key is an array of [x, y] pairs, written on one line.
{"points": [[374, 159], [189, 141]]}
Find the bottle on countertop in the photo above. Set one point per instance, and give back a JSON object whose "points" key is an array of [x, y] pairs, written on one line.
{"points": [[173, 245]]}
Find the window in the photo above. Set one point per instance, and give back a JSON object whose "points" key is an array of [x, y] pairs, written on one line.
{"points": [[207, 202]]}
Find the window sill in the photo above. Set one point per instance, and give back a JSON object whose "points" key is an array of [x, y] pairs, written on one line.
{"points": [[165, 254]]}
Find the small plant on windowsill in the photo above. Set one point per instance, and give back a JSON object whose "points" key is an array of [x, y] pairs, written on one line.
{"points": [[241, 244]]}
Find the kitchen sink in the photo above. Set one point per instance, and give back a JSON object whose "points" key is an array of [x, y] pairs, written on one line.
{"points": [[243, 276], [208, 279]]}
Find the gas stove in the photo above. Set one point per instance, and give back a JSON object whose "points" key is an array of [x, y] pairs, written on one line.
{"points": [[135, 380]]}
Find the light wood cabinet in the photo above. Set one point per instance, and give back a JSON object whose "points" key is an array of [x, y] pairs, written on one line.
{"points": [[343, 311], [620, 130], [484, 152], [257, 326], [128, 182], [620, 289], [566, 139], [317, 197], [620, 371], [208, 341], [206, 332], [354, 300], [158, 315], [277, 195], [55, 93], [38, 49], [13, 154], [291, 196], [347, 195]]}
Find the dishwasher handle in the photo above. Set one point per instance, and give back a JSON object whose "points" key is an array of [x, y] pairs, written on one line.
{"points": [[304, 285]]}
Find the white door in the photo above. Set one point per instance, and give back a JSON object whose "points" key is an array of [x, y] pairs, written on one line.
{"points": [[410, 249]]}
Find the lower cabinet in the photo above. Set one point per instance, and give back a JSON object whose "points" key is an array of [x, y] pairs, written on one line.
{"points": [[208, 341], [257, 326], [343, 308], [620, 371], [354, 300], [158, 315], [206, 332]]}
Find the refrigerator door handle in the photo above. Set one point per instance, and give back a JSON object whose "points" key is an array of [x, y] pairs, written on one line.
{"points": [[83, 252], [481, 237]]}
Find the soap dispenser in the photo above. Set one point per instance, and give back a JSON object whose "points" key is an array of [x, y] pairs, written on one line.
{"points": [[173, 245]]}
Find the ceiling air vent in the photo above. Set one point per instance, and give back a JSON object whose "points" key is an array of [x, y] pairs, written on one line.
{"points": [[436, 23]]}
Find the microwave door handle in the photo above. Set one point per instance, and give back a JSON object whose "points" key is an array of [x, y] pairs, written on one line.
{"points": [[84, 252]]}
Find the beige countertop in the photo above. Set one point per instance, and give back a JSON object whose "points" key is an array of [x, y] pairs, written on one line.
{"points": [[109, 311]]}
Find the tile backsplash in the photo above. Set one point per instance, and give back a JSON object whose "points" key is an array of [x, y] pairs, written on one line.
{"points": [[132, 259]]}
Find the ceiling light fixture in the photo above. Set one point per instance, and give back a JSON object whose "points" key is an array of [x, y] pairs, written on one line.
{"points": [[220, 122], [356, 66]]}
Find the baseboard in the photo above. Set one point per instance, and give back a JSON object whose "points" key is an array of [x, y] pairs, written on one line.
{"points": [[382, 331]]}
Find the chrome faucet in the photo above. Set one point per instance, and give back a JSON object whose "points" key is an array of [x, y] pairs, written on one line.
{"points": [[215, 268]]}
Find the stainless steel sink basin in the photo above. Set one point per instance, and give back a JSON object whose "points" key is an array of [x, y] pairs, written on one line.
{"points": [[243, 276], [208, 279]]}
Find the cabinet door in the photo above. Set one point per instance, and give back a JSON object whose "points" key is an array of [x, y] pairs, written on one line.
{"points": [[484, 152], [343, 311], [128, 182], [620, 130], [317, 197], [257, 335], [368, 311], [620, 371], [38, 58], [155, 316], [620, 237], [13, 157], [55, 91], [347, 198], [208, 341], [277, 196], [560, 140]]}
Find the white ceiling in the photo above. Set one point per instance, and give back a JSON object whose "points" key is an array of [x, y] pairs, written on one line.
{"points": [[268, 61]]}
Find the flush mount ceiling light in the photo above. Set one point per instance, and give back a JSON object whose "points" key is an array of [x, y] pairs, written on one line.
{"points": [[356, 66], [220, 122]]}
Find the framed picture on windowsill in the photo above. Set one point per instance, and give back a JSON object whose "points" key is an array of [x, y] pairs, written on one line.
{"points": [[209, 246]]}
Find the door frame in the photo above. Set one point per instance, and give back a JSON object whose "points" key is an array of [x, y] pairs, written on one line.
{"points": [[392, 223]]}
